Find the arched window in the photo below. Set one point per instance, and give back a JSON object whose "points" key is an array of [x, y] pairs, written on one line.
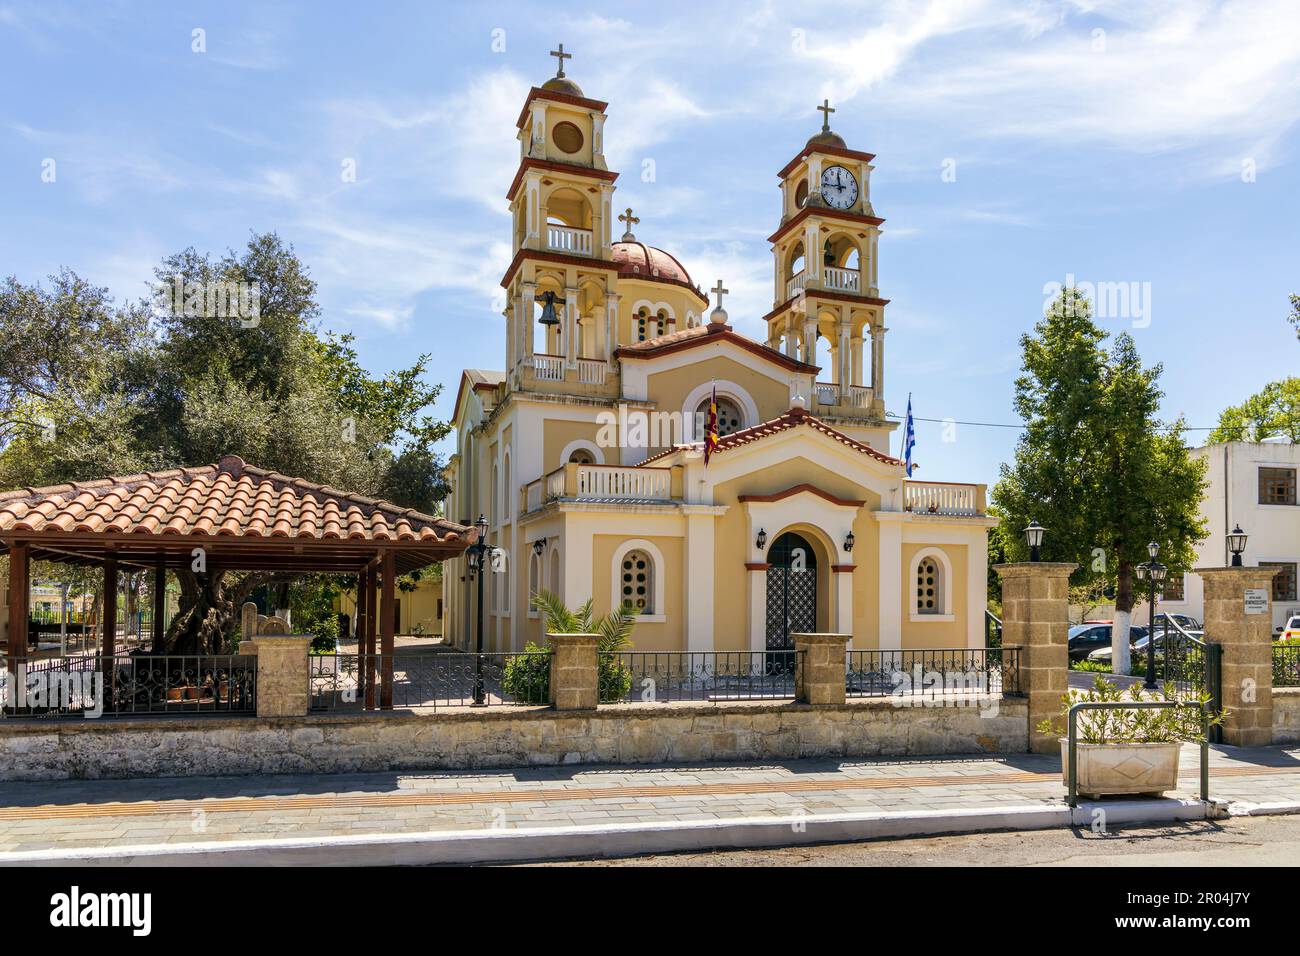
{"points": [[534, 580], [929, 587], [637, 581], [581, 456], [730, 418]]}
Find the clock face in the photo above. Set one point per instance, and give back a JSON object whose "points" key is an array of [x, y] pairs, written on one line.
{"points": [[839, 188]]}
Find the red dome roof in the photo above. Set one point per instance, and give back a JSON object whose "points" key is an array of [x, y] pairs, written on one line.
{"points": [[636, 260]]}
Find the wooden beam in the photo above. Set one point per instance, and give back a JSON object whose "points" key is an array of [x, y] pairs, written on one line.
{"points": [[108, 646], [386, 628], [19, 600]]}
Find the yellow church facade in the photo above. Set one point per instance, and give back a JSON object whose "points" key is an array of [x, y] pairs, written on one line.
{"points": [[586, 452]]}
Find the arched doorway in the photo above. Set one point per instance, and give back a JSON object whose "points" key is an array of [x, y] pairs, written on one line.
{"points": [[791, 590]]}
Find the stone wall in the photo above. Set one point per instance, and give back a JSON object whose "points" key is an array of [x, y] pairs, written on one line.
{"points": [[499, 737], [1286, 715]]}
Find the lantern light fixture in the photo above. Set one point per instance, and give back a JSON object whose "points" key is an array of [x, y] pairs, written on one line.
{"points": [[1237, 544], [761, 541], [1034, 538]]}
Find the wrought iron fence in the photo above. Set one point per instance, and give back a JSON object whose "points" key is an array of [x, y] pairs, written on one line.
{"points": [[1286, 665], [981, 671], [342, 682], [712, 676], [93, 685]]}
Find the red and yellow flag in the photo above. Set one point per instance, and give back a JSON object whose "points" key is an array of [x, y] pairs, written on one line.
{"points": [[711, 436]]}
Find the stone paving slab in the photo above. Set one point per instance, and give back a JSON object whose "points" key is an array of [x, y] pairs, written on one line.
{"points": [[123, 813]]}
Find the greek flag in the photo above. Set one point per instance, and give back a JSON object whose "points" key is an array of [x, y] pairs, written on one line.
{"points": [[909, 438]]}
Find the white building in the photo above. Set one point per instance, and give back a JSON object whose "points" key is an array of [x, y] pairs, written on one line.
{"points": [[1251, 484]]}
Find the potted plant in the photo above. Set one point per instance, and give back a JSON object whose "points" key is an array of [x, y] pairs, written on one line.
{"points": [[1125, 751]]}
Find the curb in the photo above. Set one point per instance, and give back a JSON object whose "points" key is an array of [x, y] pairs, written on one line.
{"points": [[612, 840]]}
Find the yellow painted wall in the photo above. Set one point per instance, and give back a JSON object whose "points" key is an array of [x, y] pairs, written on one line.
{"points": [[932, 634], [557, 434], [669, 389]]}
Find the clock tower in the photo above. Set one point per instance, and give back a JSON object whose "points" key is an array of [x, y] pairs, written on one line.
{"points": [[827, 309]]}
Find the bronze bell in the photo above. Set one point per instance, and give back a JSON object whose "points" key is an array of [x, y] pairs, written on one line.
{"points": [[828, 255], [548, 310]]}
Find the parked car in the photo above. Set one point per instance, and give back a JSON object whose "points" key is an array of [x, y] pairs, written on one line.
{"points": [[1086, 638], [1291, 629], [1187, 623], [1138, 646]]}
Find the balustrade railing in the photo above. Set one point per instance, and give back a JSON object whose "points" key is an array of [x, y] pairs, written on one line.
{"points": [[615, 482], [591, 371], [941, 498], [841, 280], [568, 239], [795, 284], [548, 368]]}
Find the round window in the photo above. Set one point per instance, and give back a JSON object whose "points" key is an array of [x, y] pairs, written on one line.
{"points": [[567, 136]]}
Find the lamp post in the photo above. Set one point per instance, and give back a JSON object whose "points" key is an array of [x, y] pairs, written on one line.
{"points": [[1154, 572], [1034, 538], [1236, 544], [477, 555]]}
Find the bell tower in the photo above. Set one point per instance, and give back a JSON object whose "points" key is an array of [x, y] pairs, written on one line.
{"points": [[561, 311], [827, 309]]}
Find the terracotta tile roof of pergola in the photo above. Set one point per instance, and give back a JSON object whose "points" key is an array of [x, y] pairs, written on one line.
{"points": [[254, 517]]}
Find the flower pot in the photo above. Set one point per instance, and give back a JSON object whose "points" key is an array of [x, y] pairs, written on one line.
{"points": [[1123, 768]]}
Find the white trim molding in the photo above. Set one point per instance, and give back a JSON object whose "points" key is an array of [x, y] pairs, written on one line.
{"points": [[582, 444], [656, 578], [726, 389], [946, 612]]}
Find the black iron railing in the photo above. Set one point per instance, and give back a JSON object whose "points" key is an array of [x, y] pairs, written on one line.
{"points": [[963, 670], [94, 685], [1286, 665], [992, 629], [711, 676], [428, 680]]}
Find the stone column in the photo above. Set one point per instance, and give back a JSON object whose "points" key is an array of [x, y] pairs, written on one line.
{"points": [[819, 669], [282, 675], [1036, 618], [1247, 642], [574, 671]]}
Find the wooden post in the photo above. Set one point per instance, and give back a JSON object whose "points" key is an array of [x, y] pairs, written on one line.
{"points": [[363, 594], [159, 605], [386, 629], [19, 598], [109, 642], [371, 582]]}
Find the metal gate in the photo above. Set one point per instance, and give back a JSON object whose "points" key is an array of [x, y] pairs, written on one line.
{"points": [[791, 590]]}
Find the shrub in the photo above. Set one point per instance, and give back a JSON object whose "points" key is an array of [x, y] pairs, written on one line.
{"points": [[1163, 725], [1092, 667], [527, 677]]}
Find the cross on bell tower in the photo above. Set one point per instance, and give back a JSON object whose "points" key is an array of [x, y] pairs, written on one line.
{"points": [[631, 220], [826, 109], [561, 56]]}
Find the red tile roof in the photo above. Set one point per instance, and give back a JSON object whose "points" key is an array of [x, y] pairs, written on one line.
{"points": [[228, 499], [794, 418]]}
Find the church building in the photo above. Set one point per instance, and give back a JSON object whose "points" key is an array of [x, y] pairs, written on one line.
{"points": [[586, 452]]}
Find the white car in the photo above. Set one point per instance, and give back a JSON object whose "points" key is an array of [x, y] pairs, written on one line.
{"points": [[1291, 629]]}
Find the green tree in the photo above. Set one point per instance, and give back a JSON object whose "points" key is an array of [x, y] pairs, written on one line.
{"points": [[90, 388], [1274, 410], [1095, 464]]}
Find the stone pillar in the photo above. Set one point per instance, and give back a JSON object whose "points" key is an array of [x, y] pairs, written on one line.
{"points": [[248, 628], [1246, 636], [283, 684], [819, 669], [1036, 618], [574, 678]]}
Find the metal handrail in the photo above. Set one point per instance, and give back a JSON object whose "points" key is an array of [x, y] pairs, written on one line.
{"points": [[1073, 773]]}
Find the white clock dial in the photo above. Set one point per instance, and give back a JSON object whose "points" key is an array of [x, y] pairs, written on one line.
{"points": [[839, 188]]}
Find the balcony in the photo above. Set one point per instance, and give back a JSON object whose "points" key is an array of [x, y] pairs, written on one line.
{"points": [[856, 399], [795, 284], [944, 498], [603, 483], [574, 242], [548, 368], [841, 280]]}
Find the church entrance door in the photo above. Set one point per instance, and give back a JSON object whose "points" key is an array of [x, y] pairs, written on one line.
{"points": [[791, 590]]}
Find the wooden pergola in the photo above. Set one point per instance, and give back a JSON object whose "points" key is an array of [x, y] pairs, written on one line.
{"points": [[231, 516]]}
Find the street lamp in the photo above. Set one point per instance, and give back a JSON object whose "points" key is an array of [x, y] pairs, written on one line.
{"points": [[1034, 538], [477, 556], [1154, 572], [1236, 545]]}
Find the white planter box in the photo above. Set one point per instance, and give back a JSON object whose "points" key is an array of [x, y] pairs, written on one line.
{"points": [[1123, 768]]}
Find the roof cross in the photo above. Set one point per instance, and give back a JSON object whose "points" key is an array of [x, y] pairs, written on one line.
{"points": [[561, 56], [631, 220], [719, 291], [825, 108]]}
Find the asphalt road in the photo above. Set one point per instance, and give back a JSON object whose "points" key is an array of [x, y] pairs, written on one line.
{"points": [[1241, 841]]}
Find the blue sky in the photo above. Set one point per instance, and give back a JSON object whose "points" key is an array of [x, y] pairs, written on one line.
{"points": [[1108, 141]]}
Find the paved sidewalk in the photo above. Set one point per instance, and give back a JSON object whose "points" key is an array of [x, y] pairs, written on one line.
{"points": [[66, 815]]}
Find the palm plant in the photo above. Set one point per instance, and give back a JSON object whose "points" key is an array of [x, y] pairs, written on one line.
{"points": [[615, 628]]}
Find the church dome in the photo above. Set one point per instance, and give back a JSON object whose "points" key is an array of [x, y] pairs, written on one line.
{"points": [[636, 260], [827, 137], [562, 84]]}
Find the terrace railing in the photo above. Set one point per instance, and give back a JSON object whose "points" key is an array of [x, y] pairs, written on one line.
{"points": [[1286, 665], [94, 685], [980, 671], [708, 676], [343, 682]]}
